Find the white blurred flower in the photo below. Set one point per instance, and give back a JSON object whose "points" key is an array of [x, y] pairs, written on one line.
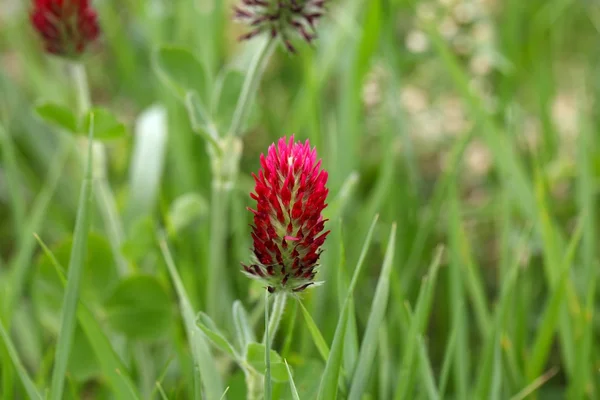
{"points": [[427, 127], [371, 94], [417, 42], [565, 115], [481, 64], [447, 3], [454, 117], [478, 159], [531, 136], [448, 28], [483, 32], [413, 99], [466, 12]]}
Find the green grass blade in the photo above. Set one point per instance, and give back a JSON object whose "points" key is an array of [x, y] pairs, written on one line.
{"points": [[224, 395], [447, 363], [368, 346], [295, 394], [21, 264], [12, 181], [112, 367], [541, 346], [427, 372], [315, 333], [457, 300], [207, 373], [329, 381], [161, 391], [490, 364], [30, 387], [417, 327], [71, 297], [587, 202]]}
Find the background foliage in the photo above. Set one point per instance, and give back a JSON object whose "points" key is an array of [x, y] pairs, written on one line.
{"points": [[470, 124]]}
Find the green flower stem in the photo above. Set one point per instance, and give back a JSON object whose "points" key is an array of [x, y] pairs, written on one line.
{"points": [[225, 163], [254, 385], [104, 196], [253, 78], [217, 285], [267, 349], [82, 89], [276, 314]]}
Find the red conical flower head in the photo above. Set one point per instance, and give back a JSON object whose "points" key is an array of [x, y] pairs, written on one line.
{"points": [[288, 226], [66, 26], [281, 18]]}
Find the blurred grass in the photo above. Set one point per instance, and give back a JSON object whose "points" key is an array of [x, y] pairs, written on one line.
{"points": [[473, 126]]}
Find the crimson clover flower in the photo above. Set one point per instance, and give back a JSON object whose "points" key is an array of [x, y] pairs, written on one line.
{"points": [[284, 18], [288, 226], [65, 26]]}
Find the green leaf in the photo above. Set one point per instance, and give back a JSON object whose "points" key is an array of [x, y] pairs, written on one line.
{"points": [[147, 162], [256, 359], [186, 210], [228, 87], [181, 70], [207, 325], [245, 334], [329, 380], [83, 363], [140, 241], [58, 116], [370, 340], [200, 120], [140, 308], [106, 124], [75, 272]]}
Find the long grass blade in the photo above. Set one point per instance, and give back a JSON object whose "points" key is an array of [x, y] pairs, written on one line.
{"points": [[71, 297], [368, 346], [30, 387], [207, 375], [112, 367], [329, 382]]}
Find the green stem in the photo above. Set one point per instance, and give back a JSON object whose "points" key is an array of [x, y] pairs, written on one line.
{"points": [[267, 350], [253, 78], [277, 313], [104, 195], [217, 284], [254, 385], [80, 81]]}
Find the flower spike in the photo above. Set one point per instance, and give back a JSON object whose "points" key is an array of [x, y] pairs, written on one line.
{"points": [[281, 18], [290, 196], [65, 26]]}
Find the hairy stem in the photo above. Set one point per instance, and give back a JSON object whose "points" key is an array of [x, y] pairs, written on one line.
{"points": [[104, 196], [253, 78], [267, 350], [276, 314]]}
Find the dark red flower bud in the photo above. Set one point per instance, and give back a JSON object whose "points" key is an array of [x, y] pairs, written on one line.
{"points": [[283, 18], [65, 26], [288, 226]]}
